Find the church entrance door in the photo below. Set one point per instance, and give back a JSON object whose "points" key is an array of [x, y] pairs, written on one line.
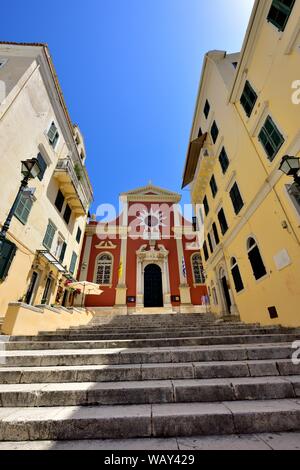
{"points": [[153, 290]]}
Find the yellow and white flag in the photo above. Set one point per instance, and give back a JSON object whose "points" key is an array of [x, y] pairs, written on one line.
{"points": [[120, 271]]}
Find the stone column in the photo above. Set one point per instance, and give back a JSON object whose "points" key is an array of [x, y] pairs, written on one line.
{"points": [[86, 258], [139, 283], [184, 288], [166, 283]]}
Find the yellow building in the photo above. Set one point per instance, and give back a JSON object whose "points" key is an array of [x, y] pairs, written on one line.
{"points": [[246, 120], [49, 222]]}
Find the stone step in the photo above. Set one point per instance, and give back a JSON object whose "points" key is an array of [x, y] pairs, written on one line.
{"points": [[136, 421], [152, 343], [156, 326], [149, 392], [266, 441], [136, 372], [143, 334], [69, 357]]}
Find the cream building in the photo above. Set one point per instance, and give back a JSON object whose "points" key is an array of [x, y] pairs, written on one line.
{"points": [[246, 120], [49, 222]]}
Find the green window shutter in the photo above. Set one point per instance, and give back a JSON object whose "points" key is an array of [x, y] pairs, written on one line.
{"points": [[271, 138], [23, 208], [73, 263], [248, 99], [7, 254], [78, 236], [53, 135], [49, 236], [206, 109], [206, 205], [280, 12], [224, 160], [63, 252], [42, 165], [236, 198], [223, 221], [67, 214], [59, 201], [214, 132], [213, 186]]}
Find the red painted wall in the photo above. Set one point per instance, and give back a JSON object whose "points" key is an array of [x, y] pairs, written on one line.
{"points": [[108, 298]]}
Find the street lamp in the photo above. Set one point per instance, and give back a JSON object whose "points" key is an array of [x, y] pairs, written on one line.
{"points": [[30, 169], [290, 166]]}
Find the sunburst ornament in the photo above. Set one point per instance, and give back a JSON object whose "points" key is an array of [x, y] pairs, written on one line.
{"points": [[151, 220]]}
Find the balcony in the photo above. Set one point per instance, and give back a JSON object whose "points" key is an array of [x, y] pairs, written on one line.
{"points": [[76, 188], [203, 173]]}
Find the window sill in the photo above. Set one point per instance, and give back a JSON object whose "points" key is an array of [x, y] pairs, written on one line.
{"points": [[266, 276], [277, 29], [20, 220], [240, 293]]}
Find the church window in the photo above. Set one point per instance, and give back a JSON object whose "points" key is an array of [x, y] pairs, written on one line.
{"points": [[104, 265], [198, 269]]}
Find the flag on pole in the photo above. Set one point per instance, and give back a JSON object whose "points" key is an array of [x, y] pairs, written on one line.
{"points": [[183, 267], [120, 271]]}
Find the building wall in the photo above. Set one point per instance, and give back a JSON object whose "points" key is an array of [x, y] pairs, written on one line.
{"points": [[25, 117], [134, 244], [270, 61]]}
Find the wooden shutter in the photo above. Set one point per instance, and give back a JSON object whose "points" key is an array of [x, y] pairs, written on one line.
{"points": [[52, 132], [50, 232], [63, 252], [42, 165], [8, 253]]}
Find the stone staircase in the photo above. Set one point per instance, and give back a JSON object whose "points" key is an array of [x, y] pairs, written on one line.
{"points": [[149, 376]]}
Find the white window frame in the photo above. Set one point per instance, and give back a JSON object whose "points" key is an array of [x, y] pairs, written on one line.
{"points": [[58, 247], [106, 253], [192, 266]]}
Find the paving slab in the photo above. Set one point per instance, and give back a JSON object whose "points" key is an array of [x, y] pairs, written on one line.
{"points": [[228, 443], [282, 441]]}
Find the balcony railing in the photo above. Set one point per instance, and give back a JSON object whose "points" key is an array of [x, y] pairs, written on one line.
{"points": [[75, 187]]}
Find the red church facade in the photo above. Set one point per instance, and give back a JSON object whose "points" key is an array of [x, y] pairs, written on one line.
{"points": [[146, 259]]}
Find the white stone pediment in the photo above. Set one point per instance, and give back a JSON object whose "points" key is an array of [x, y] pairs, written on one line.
{"points": [[151, 193]]}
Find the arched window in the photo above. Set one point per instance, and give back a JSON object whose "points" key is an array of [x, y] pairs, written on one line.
{"points": [[103, 270], [198, 269], [255, 259], [236, 274]]}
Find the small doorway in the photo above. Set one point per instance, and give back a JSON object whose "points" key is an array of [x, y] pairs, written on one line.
{"points": [[153, 290], [65, 298], [47, 291], [226, 293], [31, 288]]}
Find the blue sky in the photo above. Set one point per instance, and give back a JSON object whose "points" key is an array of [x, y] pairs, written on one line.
{"points": [[130, 70]]}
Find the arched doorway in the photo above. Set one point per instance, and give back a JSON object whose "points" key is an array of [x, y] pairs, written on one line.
{"points": [[225, 289], [153, 290]]}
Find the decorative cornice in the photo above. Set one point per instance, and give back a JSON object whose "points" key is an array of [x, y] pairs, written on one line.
{"points": [[106, 245]]}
